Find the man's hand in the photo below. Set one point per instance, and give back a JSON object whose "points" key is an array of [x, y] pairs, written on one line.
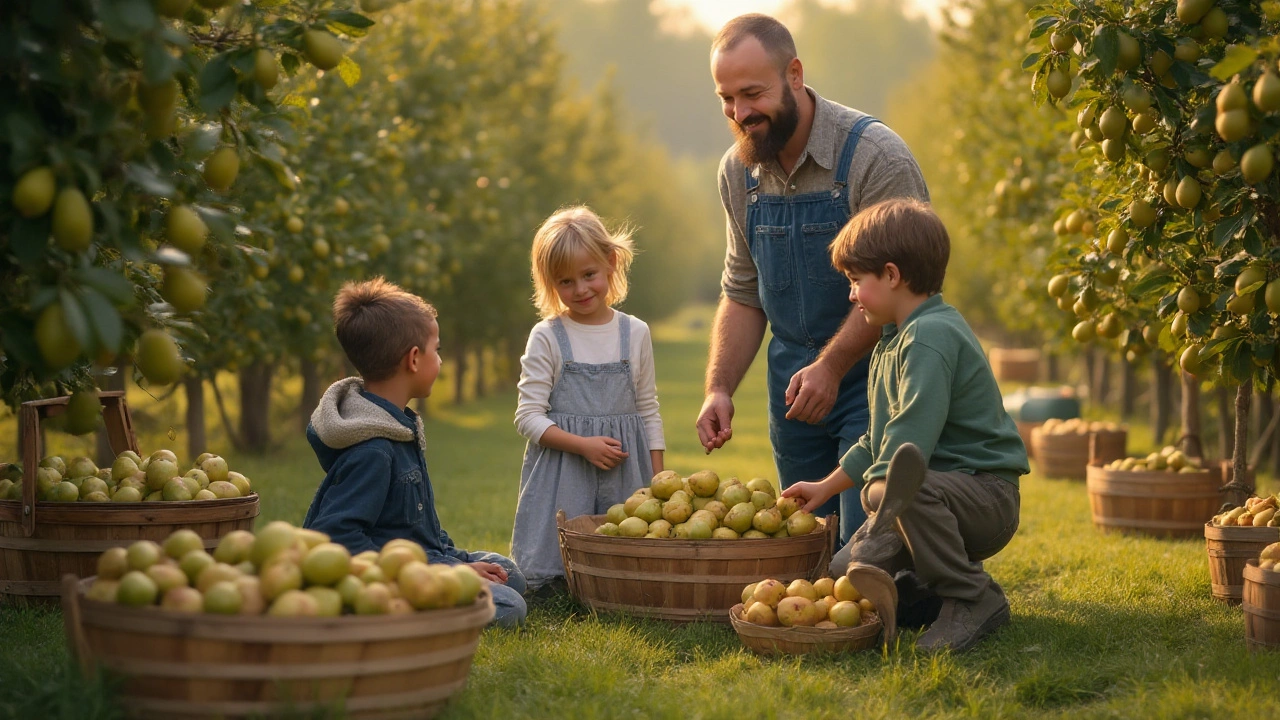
{"points": [[715, 422], [604, 452], [812, 393], [810, 495], [490, 572]]}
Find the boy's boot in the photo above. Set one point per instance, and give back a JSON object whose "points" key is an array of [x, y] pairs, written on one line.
{"points": [[877, 542], [962, 623], [918, 604]]}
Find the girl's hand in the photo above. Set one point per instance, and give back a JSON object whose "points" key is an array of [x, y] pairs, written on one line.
{"points": [[490, 572], [603, 452]]}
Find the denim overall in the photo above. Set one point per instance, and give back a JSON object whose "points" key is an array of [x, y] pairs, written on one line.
{"points": [[806, 300], [588, 400]]}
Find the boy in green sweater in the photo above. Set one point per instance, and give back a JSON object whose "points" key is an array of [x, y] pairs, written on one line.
{"points": [[939, 464]]}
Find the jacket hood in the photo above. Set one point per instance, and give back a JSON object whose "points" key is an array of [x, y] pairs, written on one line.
{"points": [[344, 418]]}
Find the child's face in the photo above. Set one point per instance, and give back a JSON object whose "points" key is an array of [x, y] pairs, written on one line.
{"points": [[583, 287], [872, 294], [428, 364]]}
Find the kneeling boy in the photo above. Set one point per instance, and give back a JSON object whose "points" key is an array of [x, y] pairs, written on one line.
{"points": [[939, 464]]}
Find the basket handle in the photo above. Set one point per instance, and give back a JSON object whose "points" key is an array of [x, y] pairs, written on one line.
{"points": [[831, 528], [72, 623], [120, 435]]}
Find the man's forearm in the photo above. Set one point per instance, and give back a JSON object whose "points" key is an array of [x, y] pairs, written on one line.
{"points": [[736, 335], [852, 342]]}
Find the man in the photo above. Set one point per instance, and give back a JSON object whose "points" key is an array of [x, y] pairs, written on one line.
{"points": [[801, 166]]}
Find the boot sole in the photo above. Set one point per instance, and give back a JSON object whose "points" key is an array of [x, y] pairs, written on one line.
{"points": [[884, 595]]}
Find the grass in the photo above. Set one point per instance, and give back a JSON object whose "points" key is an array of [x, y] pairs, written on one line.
{"points": [[1103, 625]]}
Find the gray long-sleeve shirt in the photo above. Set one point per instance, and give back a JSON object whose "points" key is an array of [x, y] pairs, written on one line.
{"points": [[882, 168]]}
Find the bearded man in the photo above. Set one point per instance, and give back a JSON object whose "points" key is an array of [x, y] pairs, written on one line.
{"points": [[801, 166]]}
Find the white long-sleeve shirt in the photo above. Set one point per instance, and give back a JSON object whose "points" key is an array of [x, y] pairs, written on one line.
{"points": [[594, 344]]}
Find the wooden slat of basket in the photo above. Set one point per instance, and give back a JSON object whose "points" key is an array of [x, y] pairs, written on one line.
{"points": [[803, 640]]}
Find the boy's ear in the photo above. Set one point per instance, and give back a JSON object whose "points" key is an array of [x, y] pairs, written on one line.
{"points": [[411, 359], [892, 274]]}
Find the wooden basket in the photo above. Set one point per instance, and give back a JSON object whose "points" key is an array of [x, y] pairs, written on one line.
{"points": [[766, 640], [180, 665], [682, 580], [42, 541], [1026, 430], [1158, 503], [1261, 603], [1015, 365], [1229, 548]]}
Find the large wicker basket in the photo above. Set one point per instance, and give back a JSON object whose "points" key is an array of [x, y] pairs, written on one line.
{"points": [[682, 580], [180, 666], [767, 640], [42, 541]]}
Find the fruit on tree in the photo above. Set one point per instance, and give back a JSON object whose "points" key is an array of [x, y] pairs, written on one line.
{"points": [[185, 230], [1256, 164], [184, 289], [58, 346], [221, 168], [72, 220], [322, 49], [83, 412], [266, 72], [157, 357], [33, 194]]}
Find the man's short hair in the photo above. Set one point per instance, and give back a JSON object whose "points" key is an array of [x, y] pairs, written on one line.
{"points": [[904, 232], [377, 322], [774, 37]]}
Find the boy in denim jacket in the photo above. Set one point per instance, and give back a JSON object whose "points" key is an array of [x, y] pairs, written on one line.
{"points": [[371, 445]]}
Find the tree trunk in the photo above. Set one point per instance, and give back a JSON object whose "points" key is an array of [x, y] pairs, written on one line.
{"points": [[480, 389], [1239, 489], [1051, 368], [1128, 389], [1102, 378], [255, 406], [1191, 443], [1161, 388], [106, 454], [197, 438], [1090, 362], [1225, 434], [311, 390], [460, 370], [1266, 410]]}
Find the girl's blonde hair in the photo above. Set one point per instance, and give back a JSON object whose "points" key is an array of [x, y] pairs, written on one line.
{"points": [[565, 235]]}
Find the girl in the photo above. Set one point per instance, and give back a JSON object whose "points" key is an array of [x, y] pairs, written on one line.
{"points": [[588, 398]]}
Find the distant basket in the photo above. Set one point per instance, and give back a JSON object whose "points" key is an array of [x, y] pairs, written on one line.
{"points": [[1015, 365], [1066, 455], [180, 665], [767, 640], [1261, 607], [1153, 502], [42, 541], [1229, 549], [682, 580], [1025, 431]]}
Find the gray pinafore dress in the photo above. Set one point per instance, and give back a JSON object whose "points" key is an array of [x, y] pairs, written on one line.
{"points": [[588, 400]]}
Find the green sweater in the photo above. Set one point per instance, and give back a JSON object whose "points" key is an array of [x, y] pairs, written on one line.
{"points": [[930, 384]]}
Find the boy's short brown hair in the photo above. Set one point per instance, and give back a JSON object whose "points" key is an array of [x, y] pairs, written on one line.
{"points": [[904, 232], [377, 322]]}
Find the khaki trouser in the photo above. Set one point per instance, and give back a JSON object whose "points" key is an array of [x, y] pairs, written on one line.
{"points": [[956, 521]]}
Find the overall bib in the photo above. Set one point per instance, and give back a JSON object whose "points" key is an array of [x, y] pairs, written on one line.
{"points": [[806, 300], [588, 400]]}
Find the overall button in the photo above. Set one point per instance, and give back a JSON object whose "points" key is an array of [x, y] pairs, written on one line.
{"points": [[793, 186], [419, 507]]}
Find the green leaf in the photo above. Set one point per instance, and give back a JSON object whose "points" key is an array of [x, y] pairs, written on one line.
{"points": [[290, 63], [217, 84], [354, 19], [1236, 59], [29, 239], [126, 20], [106, 323], [349, 71], [1043, 25], [1029, 61], [1106, 47], [109, 283], [77, 323], [148, 180], [1229, 229], [158, 65], [1157, 281]]}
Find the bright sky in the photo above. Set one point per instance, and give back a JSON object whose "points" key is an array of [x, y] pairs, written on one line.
{"points": [[714, 13]]}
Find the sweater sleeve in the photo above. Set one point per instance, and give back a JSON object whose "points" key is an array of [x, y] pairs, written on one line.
{"points": [[856, 461], [358, 486], [646, 381], [923, 403], [538, 368]]}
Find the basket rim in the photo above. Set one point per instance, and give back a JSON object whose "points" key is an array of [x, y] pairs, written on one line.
{"points": [[1201, 474], [808, 633], [1251, 565], [819, 532], [51, 504], [1240, 529]]}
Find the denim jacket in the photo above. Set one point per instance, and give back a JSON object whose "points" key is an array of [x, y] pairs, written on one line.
{"points": [[376, 486]]}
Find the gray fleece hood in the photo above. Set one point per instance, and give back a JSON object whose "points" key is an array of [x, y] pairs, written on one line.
{"points": [[344, 418]]}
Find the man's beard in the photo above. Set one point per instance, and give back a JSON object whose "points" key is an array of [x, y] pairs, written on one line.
{"points": [[755, 152]]}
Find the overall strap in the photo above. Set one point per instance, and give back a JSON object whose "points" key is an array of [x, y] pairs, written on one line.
{"points": [[624, 337], [851, 145], [752, 181], [562, 337]]}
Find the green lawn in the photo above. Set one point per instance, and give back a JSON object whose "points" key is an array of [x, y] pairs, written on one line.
{"points": [[1103, 625]]}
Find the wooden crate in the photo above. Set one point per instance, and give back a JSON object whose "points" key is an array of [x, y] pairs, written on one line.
{"points": [[184, 665], [765, 640], [1159, 503], [42, 541], [682, 580], [1229, 549], [1066, 455], [1261, 603]]}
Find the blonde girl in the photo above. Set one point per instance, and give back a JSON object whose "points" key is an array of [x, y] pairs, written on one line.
{"points": [[588, 394]]}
